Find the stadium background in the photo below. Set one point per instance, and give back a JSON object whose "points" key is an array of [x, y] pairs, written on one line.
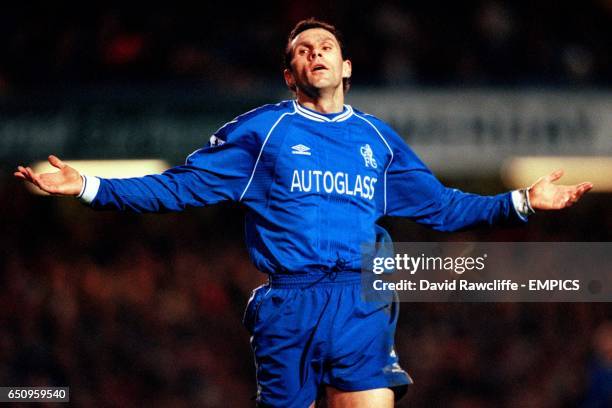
{"points": [[131, 310]]}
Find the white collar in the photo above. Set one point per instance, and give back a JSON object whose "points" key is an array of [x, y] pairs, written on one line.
{"points": [[307, 113]]}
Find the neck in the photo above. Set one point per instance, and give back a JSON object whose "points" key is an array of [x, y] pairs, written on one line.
{"points": [[323, 102]]}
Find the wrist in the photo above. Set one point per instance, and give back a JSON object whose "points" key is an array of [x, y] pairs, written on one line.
{"points": [[83, 184], [527, 194], [88, 193], [521, 203]]}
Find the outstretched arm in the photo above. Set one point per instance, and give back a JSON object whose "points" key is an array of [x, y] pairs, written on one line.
{"points": [[417, 194], [67, 181], [414, 192], [220, 171], [217, 172], [205, 179], [449, 209]]}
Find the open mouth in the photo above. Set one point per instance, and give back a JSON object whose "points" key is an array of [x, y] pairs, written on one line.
{"points": [[318, 68]]}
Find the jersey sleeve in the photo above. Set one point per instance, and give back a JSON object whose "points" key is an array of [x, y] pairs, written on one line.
{"points": [[414, 192], [217, 172]]}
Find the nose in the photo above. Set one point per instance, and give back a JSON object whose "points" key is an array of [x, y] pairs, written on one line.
{"points": [[314, 54]]}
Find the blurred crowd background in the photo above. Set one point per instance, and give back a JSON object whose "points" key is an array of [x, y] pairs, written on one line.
{"points": [[390, 42], [145, 310]]}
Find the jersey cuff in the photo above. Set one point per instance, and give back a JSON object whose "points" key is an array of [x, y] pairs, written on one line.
{"points": [[520, 200], [91, 185]]}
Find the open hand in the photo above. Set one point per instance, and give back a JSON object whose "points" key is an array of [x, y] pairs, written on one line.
{"points": [[66, 181], [544, 195]]}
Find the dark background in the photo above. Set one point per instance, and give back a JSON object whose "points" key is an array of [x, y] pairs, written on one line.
{"points": [[238, 47]]}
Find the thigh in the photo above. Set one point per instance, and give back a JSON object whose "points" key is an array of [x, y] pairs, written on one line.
{"points": [[376, 398]]}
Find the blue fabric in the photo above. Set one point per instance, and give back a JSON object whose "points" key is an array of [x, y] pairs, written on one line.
{"points": [[314, 186], [307, 336]]}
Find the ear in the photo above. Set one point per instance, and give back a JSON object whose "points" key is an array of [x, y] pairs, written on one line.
{"points": [[289, 79], [347, 69]]}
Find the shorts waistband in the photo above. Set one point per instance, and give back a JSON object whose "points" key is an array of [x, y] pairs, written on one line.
{"points": [[307, 280]]}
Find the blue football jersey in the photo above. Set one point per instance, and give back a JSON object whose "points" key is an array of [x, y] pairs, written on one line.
{"points": [[314, 185]]}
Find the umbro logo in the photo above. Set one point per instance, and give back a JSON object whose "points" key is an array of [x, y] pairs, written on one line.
{"points": [[300, 149]]}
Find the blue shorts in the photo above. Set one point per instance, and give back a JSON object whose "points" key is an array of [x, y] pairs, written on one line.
{"points": [[307, 334]]}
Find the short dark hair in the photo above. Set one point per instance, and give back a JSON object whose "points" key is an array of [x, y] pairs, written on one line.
{"points": [[307, 25]]}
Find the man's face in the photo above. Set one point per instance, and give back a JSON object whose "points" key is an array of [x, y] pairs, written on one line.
{"points": [[317, 62]]}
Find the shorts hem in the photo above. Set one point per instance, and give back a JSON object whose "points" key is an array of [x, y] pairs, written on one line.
{"points": [[398, 386]]}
